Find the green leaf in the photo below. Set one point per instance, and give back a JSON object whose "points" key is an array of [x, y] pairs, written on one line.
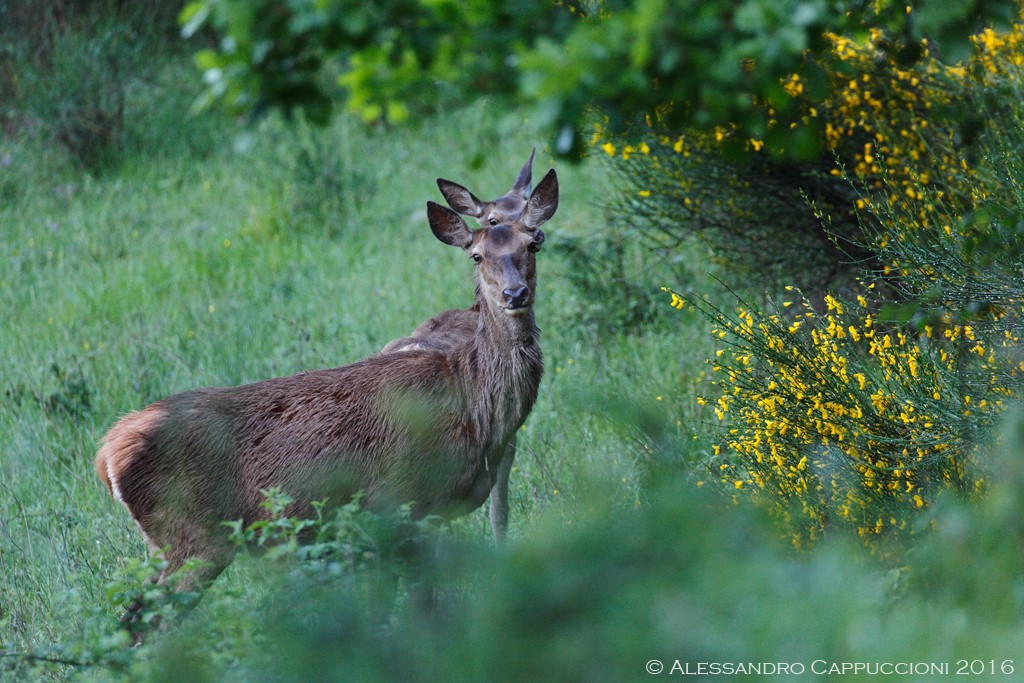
{"points": [[192, 17], [209, 59]]}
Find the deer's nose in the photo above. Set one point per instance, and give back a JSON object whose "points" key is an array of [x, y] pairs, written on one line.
{"points": [[516, 297]]}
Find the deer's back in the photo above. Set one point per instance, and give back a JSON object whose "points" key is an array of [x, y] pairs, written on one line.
{"points": [[396, 427], [443, 332]]}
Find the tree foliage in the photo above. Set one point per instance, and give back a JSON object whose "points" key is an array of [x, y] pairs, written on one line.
{"points": [[701, 63]]}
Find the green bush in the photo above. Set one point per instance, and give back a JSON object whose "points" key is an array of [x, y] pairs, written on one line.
{"points": [[887, 131], [682, 580], [720, 62], [610, 271], [753, 216], [346, 552]]}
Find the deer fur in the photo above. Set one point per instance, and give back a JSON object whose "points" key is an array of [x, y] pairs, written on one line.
{"points": [[448, 329], [424, 425]]}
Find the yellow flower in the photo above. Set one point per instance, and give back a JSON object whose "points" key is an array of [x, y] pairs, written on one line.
{"points": [[793, 86]]}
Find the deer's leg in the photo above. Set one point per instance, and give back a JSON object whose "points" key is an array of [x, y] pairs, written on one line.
{"points": [[211, 562], [499, 493], [422, 559], [132, 617]]}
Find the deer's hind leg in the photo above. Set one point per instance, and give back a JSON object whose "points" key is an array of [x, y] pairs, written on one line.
{"points": [[189, 568]]}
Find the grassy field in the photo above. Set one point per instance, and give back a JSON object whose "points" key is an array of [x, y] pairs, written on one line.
{"points": [[215, 254]]}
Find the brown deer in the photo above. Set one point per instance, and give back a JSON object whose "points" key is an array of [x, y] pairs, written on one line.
{"points": [[426, 425], [451, 328]]}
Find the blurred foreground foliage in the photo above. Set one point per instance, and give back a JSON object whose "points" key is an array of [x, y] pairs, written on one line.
{"points": [[683, 577]]}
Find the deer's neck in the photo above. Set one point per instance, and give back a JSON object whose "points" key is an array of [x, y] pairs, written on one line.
{"points": [[506, 366]]}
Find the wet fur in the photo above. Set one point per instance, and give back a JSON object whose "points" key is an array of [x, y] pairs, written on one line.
{"points": [[429, 426]]}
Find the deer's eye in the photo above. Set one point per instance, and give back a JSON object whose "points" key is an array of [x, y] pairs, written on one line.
{"points": [[477, 258], [493, 221]]}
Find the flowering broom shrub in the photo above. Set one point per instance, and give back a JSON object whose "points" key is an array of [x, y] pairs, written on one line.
{"points": [[840, 420], [750, 214], [894, 129], [860, 412]]}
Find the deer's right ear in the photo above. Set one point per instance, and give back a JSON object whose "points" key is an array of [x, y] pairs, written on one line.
{"points": [[543, 202], [460, 199], [448, 226]]}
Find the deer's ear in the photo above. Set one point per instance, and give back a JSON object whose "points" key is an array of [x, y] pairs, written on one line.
{"points": [[460, 199], [448, 226], [543, 202], [525, 177]]}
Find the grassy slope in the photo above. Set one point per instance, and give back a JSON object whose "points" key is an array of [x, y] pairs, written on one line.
{"points": [[193, 263]]}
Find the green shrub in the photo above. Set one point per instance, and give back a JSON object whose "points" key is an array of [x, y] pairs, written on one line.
{"points": [[753, 216], [608, 270], [76, 66], [769, 221], [347, 552], [684, 578]]}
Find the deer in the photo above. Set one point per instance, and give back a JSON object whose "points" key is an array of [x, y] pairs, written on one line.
{"points": [[452, 327], [426, 426]]}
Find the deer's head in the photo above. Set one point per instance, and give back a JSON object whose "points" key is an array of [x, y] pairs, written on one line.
{"points": [[505, 253]]}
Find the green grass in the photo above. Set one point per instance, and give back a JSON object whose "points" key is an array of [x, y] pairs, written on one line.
{"points": [[210, 254]]}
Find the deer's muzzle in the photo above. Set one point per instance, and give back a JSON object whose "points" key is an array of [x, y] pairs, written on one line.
{"points": [[517, 297]]}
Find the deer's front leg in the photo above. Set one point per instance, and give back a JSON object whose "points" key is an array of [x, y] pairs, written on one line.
{"points": [[499, 493]]}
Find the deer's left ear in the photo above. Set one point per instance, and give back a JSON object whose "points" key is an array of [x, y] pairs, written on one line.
{"points": [[448, 226], [543, 202], [460, 199]]}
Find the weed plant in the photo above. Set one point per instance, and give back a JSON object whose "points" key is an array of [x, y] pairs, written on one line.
{"points": [[684, 579]]}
